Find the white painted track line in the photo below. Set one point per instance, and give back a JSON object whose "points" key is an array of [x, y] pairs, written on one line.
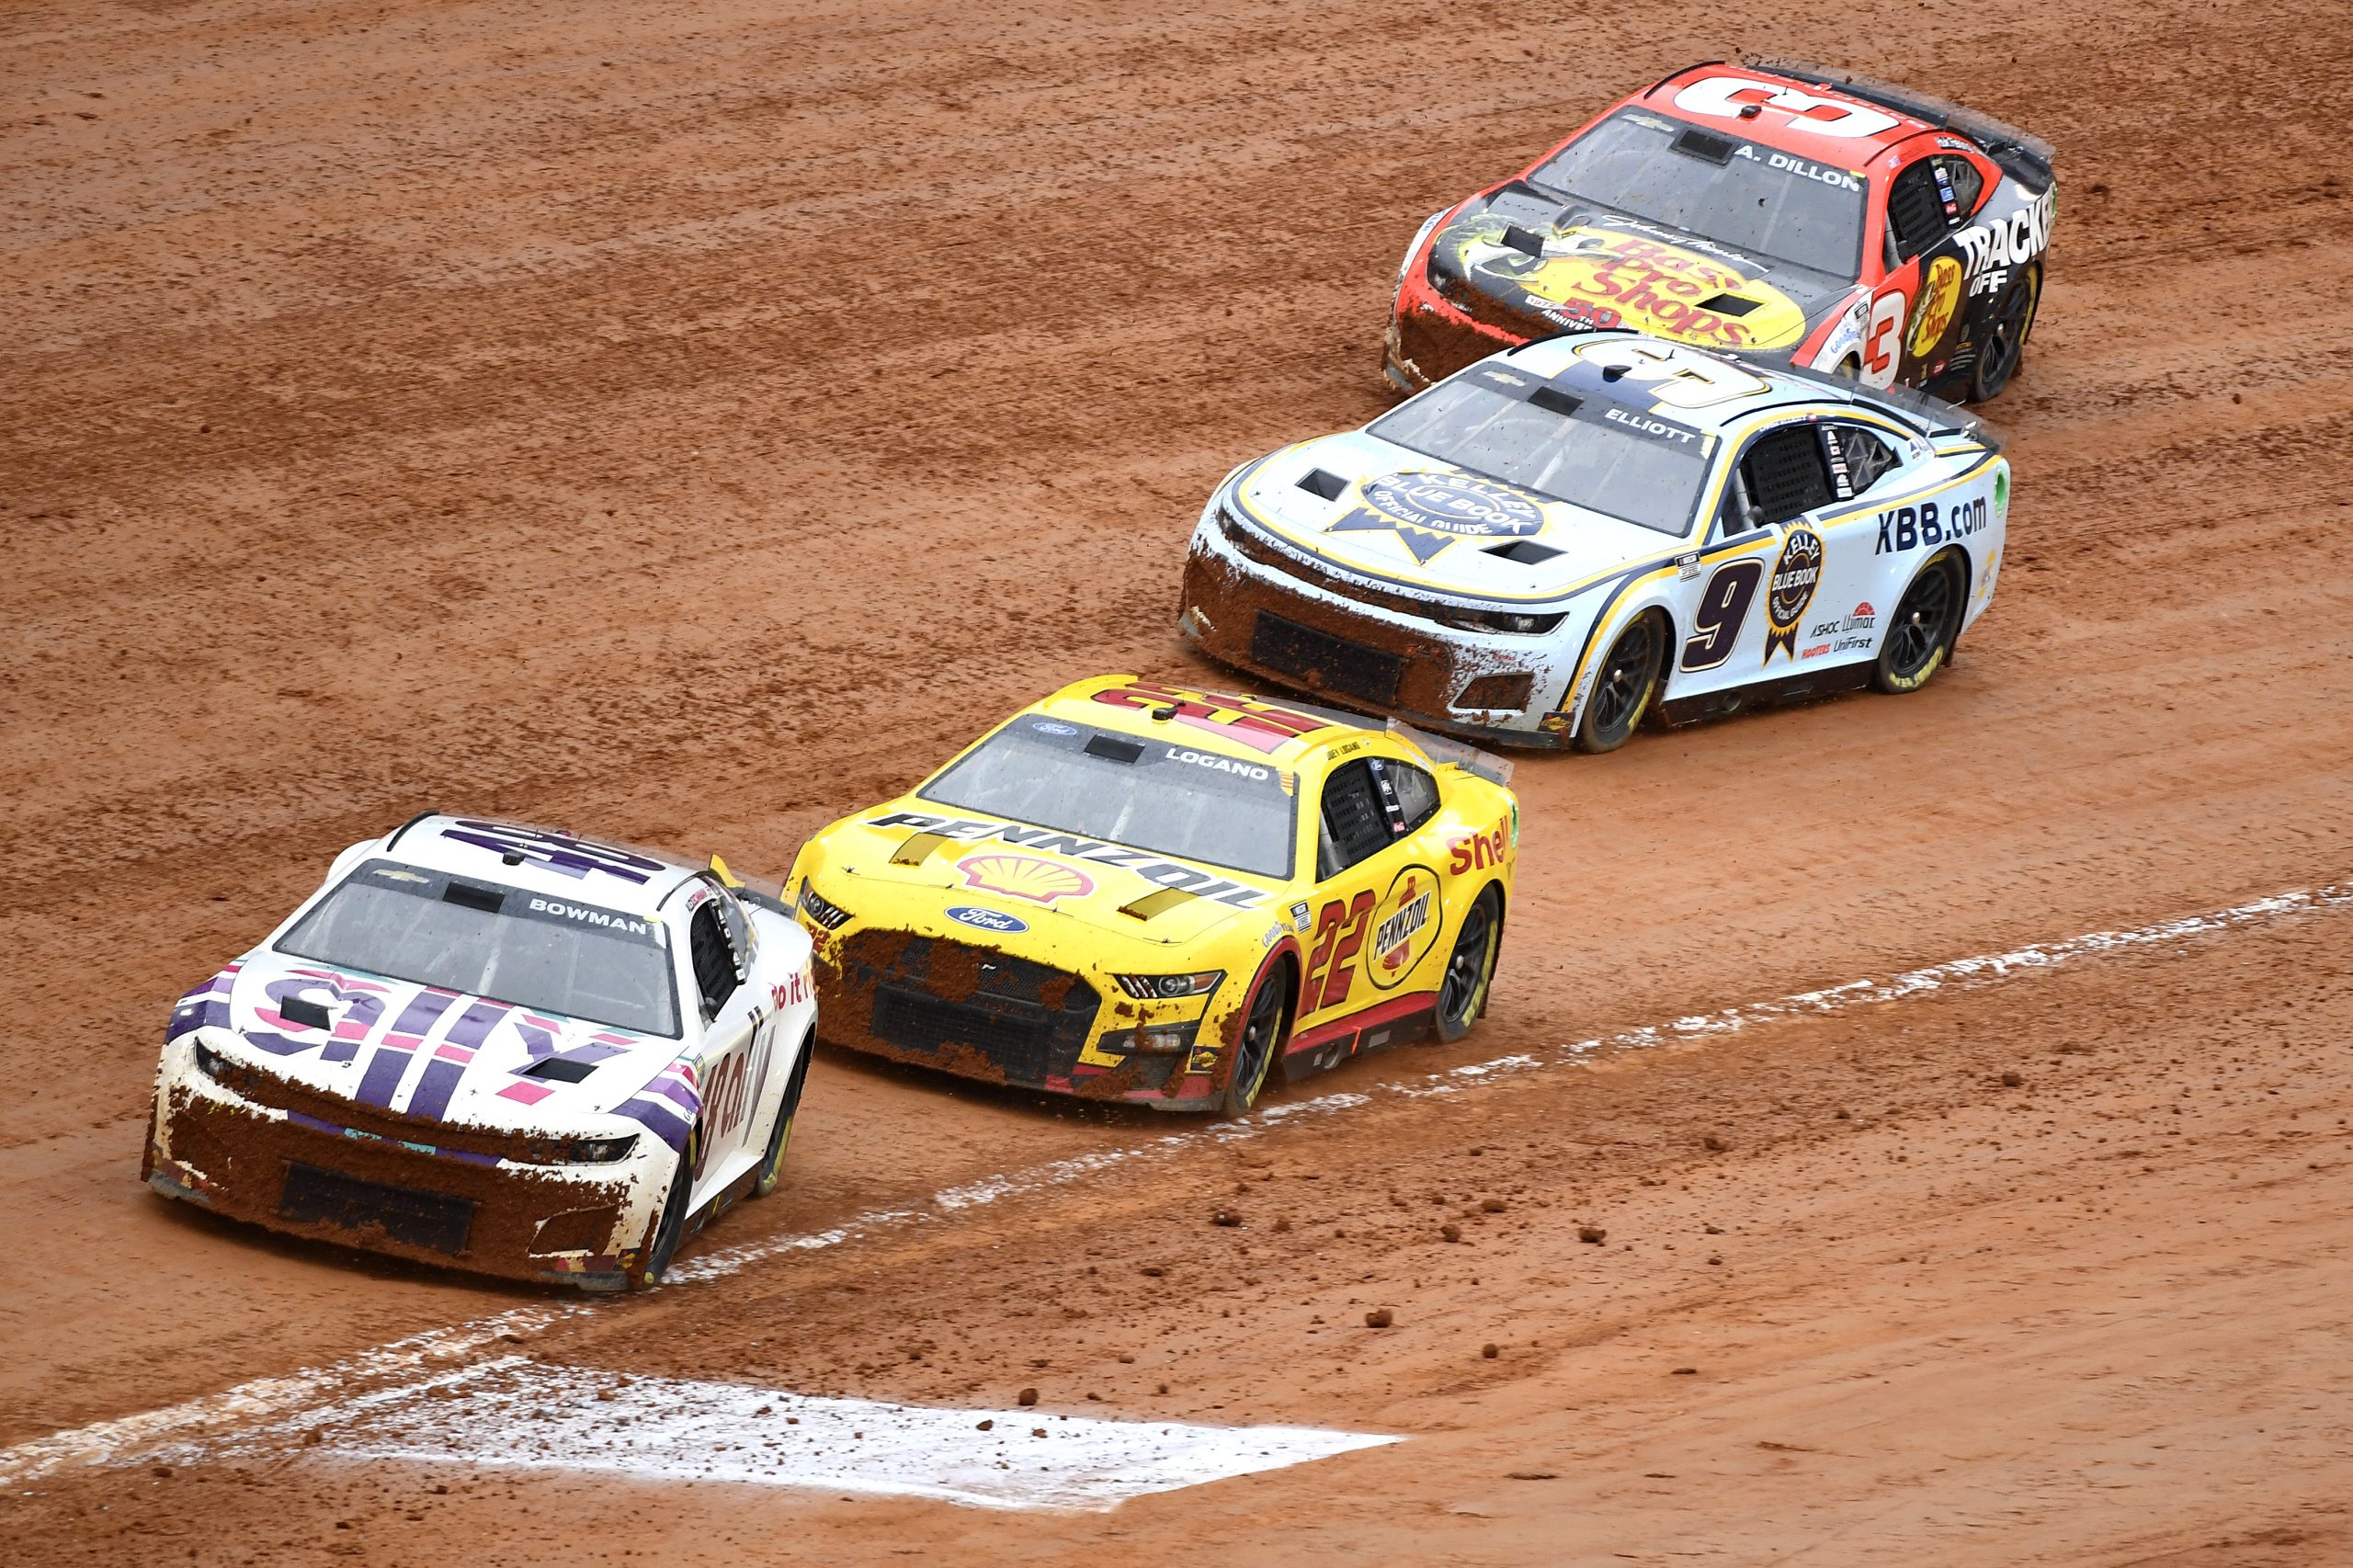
{"points": [[521, 1414], [394, 1370]]}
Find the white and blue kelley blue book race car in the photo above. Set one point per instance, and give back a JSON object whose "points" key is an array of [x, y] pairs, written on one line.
{"points": [[500, 1048], [1568, 536]]}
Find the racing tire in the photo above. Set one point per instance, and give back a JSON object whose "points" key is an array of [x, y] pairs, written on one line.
{"points": [[2006, 337], [1624, 686], [772, 1162], [1265, 1024], [1470, 968], [1928, 619], [671, 1229]]}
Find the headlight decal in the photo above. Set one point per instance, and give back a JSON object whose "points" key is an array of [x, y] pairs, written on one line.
{"points": [[1170, 987], [828, 914]]}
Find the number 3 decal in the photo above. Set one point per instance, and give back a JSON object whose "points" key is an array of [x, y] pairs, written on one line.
{"points": [[1723, 608], [1883, 340]]}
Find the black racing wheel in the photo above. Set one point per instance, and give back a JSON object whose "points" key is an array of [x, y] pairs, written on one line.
{"points": [[1928, 617], [1263, 1018], [671, 1229], [1470, 968], [2005, 336], [1623, 687], [772, 1162]]}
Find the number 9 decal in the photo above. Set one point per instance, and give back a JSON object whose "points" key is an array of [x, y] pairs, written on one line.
{"points": [[1722, 610], [1883, 340]]}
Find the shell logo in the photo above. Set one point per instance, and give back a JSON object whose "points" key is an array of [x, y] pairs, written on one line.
{"points": [[1025, 875]]}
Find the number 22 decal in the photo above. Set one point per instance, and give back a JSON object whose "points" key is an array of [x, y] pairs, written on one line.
{"points": [[1722, 610], [1330, 988]]}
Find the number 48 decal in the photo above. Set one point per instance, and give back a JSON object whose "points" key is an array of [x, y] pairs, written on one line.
{"points": [[1722, 610]]}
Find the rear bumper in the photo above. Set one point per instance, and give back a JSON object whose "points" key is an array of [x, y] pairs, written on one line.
{"points": [[932, 1002], [357, 1181]]}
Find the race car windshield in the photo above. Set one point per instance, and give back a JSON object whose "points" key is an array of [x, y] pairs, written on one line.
{"points": [[549, 954], [1736, 193], [1625, 464], [1165, 796]]}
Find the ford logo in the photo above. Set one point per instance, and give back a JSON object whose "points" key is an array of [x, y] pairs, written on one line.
{"points": [[988, 919], [1050, 727]]}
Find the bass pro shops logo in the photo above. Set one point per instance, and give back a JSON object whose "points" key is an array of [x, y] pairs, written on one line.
{"points": [[1430, 511], [1795, 576]]}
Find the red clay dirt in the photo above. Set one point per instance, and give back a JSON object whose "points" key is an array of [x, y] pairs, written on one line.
{"points": [[689, 423]]}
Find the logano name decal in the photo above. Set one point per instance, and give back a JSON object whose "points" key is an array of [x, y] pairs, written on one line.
{"points": [[1151, 868], [1914, 528], [1219, 763]]}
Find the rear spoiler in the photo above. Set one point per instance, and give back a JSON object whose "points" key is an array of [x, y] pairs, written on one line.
{"points": [[2025, 157], [1933, 415], [1445, 751], [1439, 749]]}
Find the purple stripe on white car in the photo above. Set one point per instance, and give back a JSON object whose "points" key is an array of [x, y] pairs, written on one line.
{"points": [[389, 1065], [439, 1079], [660, 1120]]}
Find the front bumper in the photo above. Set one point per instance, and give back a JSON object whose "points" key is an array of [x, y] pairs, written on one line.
{"points": [[1293, 632], [1429, 339], [985, 1015], [274, 1154]]}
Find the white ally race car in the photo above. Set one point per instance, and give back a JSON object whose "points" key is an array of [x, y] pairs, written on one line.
{"points": [[499, 1047], [1552, 544]]}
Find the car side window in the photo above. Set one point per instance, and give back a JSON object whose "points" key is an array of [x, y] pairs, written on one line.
{"points": [[1960, 183], [1782, 474], [1858, 456], [713, 957], [1916, 209], [1355, 823], [1415, 791]]}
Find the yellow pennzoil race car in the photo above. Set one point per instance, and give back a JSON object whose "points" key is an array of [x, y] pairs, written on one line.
{"points": [[1131, 892]]}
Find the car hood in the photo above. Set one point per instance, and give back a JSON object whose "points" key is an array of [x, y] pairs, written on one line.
{"points": [[416, 1051], [1532, 262], [914, 864], [1402, 517]]}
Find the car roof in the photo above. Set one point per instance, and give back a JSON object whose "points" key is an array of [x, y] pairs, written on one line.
{"points": [[1556, 361], [1782, 127], [623, 878], [1252, 728]]}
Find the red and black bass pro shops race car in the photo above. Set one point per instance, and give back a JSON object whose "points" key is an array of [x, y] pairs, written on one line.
{"points": [[1774, 210]]}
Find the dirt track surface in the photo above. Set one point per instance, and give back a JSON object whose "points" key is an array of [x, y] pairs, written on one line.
{"points": [[689, 425]]}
